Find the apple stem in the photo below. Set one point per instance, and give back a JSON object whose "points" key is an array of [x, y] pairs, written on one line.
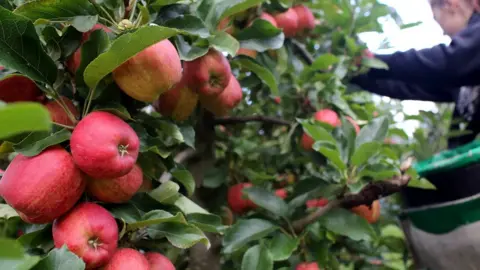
{"points": [[134, 6], [64, 126], [109, 17], [62, 104], [89, 102]]}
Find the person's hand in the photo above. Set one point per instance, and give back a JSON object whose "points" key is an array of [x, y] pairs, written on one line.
{"points": [[365, 54]]}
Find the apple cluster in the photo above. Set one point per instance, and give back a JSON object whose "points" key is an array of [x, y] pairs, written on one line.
{"points": [[296, 21], [47, 188]]}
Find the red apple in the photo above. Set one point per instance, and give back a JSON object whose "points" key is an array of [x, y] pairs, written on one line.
{"points": [[288, 21], [178, 103], [58, 114], [370, 213], [151, 72], [328, 116], [86, 35], [355, 125], [307, 141], [282, 193], [236, 200], [247, 52], [89, 231], [306, 20], [314, 203], [146, 186], [74, 61], [208, 75], [117, 190], [159, 262], [224, 25], [16, 88], [277, 100], [269, 18], [104, 146], [43, 187], [307, 266], [222, 104], [128, 259]]}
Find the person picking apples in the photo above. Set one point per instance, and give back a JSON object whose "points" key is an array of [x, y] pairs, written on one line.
{"points": [[448, 74]]}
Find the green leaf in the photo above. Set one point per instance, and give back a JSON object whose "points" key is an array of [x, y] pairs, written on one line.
{"points": [[80, 13], [166, 193], [188, 52], [282, 246], [20, 49], [246, 231], [214, 177], [124, 48], [324, 61], [188, 207], [189, 24], [374, 63], [376, 130], [12, 256], [6, 211], [263, 73], [23, 117], [60, 259], [186, 178], [178, 234], [423, 183], [318, 133], [127, 212], [224, 42], [261, 36], [36, 235], [363, 153], [97, 43], [207, 222], [330, 151], [267, 200], [156, 217], [116, 109], [211, 11], [188, 134], [36, 142], [160, 3], [392, 231], [345, 223], [257, 257]]}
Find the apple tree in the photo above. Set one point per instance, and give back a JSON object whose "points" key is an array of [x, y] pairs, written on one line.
{"points": [[208, 134]]}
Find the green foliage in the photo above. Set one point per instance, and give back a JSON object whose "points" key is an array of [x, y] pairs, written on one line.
{"points": [[185, 197]]}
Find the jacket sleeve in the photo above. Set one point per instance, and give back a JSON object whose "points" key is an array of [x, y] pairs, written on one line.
{"points": [[406, 91], [457, 64]]}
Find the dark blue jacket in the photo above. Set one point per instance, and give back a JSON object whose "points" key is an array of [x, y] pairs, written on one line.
{"points": [[444, 73]]}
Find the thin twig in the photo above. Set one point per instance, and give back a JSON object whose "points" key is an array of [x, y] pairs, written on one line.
{"points": [[302, 52], [370, 193], [245, 119]]}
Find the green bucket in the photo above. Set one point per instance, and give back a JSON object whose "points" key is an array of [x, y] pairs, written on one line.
{"points": [[446, 217]]}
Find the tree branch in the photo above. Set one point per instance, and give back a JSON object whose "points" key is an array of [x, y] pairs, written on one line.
{"points": [[302, 52], [370, 193], [245, 119]]}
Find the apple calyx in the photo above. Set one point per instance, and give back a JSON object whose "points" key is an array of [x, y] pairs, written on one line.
{"points": [[95, 243], [123, 150]]}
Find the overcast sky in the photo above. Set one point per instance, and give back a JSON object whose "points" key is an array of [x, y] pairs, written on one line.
{"points": [[425, 35]]}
